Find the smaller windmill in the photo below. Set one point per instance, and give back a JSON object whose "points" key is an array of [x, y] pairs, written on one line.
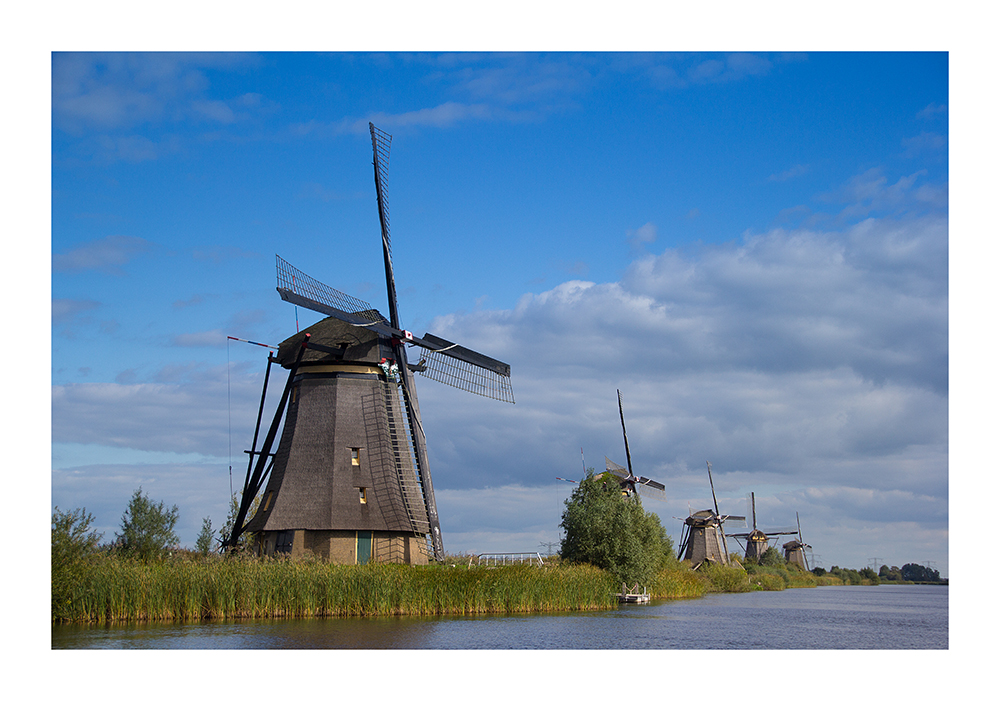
{"points": [[704, 537], [631, 486], [795, 550], [756, 541]]}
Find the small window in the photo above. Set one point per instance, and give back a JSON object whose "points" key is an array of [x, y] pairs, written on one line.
{"points": [[363, 495], [355, 457]]}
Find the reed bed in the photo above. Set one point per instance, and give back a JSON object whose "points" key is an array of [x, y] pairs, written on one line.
{"points": [[677, 583], [725, 579], [113, 589]]}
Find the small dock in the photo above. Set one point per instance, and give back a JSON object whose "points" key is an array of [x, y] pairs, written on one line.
{"points": [[632, 595]]}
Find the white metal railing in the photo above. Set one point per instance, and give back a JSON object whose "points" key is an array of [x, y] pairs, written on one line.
{"points": [[494, 559]]}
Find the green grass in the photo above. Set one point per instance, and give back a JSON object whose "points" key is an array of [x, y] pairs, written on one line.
{"points": [[109, 588], [115, 589]]}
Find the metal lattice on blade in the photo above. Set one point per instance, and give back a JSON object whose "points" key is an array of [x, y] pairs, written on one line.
{"points": [[463, 375], [380, 144], [291, 278], [612, 466], [651, 492]]}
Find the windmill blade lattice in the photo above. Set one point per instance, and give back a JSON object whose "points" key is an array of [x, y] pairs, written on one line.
{"points": [[291, 279], [381, 142], [443, 367]]}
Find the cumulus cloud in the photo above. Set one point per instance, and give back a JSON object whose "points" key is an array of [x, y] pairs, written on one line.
{"points": [[189, 409]]}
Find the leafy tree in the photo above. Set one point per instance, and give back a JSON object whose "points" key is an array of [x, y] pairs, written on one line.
{"points": [[867, 573], [205, 537], [604, 529], [72, 543], [890, 574], [913, 572], [147, 527]]}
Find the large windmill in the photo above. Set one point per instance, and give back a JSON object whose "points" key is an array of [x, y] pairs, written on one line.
{"points": [[704, 537], [795, 550], [756, 541], [350, 480]]}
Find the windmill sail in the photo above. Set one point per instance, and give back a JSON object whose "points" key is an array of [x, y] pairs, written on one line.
{"points": [[440, 359], [642, 486], [645, 486]]}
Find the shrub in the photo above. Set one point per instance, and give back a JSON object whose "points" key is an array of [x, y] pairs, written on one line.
{"points": [[73, 544], [205, 537], [615, 533]]}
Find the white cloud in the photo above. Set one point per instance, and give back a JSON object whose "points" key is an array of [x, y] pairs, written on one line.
{"points": [[108, 254]]}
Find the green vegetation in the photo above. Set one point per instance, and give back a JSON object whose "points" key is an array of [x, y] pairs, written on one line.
{"points": [[142, 578], [147, 528], [245, 540], [73, 545], [910, 573], [615, 534], [205, 537], [182, 588]]}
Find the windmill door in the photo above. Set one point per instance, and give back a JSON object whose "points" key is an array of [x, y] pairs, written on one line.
{"points": [[364, 547]]}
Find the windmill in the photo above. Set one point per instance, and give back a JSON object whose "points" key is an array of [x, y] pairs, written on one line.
{"points": [[756, 540], [795, 550], [631, 486], [704, 537], [350, 480]]}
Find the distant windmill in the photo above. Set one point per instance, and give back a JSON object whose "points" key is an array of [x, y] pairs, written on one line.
{"points": [[795, 550], [756, 541], [704, 537], [631, 486], [350, 480]]}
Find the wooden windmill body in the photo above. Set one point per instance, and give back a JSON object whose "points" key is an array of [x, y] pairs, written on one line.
{"points": [[350, 481], [341, 486], [704, 537], [756, 541], [795, 550]]}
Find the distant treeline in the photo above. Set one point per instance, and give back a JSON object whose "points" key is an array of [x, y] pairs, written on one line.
{"points": [[912, 573]]}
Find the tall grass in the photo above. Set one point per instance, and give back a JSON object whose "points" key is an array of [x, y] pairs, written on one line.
{"points": [[725, 579], [119, 589], [108, 588]]}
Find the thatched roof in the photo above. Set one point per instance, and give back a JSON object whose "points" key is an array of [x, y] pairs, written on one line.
{"points": [[358, 343]]}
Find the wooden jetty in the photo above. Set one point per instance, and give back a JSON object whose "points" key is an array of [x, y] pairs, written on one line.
{"points": [[632, 595]]}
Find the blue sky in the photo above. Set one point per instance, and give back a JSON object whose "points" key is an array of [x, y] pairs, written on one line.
{"points": [[753, 247]]}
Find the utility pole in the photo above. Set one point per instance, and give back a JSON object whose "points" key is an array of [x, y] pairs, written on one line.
{"points": [[549, 546], [874, 562]]}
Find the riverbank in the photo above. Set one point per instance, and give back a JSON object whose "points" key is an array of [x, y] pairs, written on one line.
{"points": [[107, 588]]}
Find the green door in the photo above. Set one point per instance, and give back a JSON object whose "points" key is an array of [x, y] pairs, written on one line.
{"points": [[364, 546]]}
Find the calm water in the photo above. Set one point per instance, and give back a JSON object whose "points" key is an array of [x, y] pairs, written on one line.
{"points": [[882, 617]]}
